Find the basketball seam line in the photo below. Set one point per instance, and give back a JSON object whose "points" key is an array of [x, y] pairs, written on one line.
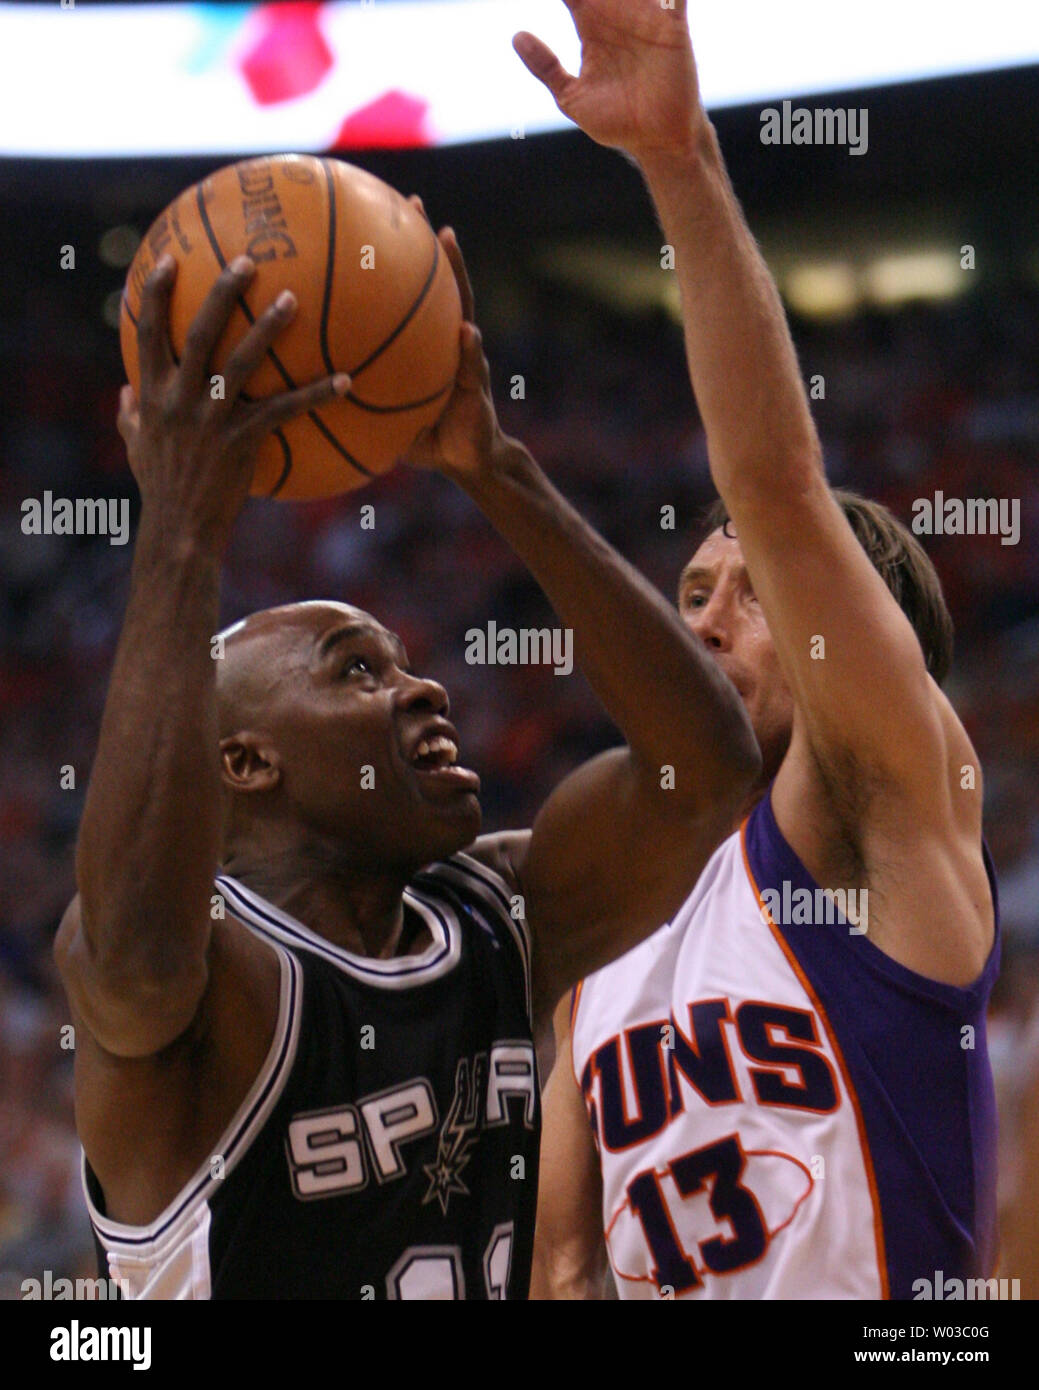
{"points": [[326, 301], [397, 409], [355, 372], [356, 400], [311, 415], [286, 467], [326, 309]]}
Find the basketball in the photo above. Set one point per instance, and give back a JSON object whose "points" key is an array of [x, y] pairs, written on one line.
{"points": [[377, 299]]}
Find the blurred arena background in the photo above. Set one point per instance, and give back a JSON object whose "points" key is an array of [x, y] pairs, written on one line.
{"points": [[931, 378]]}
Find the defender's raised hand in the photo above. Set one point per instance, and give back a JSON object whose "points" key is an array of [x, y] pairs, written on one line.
{"points": [[193, 455], [638, 88]]}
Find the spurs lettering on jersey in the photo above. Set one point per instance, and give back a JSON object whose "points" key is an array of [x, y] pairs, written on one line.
{"points": [[339, 1150]]}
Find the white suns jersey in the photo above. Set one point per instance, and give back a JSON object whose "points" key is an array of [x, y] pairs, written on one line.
{"points": [[780, 1110]]}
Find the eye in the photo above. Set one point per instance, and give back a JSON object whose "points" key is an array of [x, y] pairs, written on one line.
{"points": [[694, 599], [356, 663]]}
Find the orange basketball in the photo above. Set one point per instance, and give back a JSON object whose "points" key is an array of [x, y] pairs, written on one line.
{"points": [[377, 299]]}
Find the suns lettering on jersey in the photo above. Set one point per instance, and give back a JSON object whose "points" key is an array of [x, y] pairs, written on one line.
{"points": [[698, 1214], [334, 1151]]}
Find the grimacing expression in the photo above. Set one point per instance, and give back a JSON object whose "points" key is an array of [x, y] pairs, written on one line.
{"points": [[316, 700], [717, 603]]}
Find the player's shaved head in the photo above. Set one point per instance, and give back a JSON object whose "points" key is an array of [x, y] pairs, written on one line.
{"points": [[240, 687], [263, 651]]}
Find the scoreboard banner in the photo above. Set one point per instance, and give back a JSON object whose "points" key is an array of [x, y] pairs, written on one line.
{"points": [[149, 79]]}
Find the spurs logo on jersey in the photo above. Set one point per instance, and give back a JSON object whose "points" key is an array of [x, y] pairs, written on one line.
{"points": [[783, 1112], [335, 1151], [458, 1134]]}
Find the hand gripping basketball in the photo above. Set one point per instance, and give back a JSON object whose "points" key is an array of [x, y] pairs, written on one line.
{"points": [[462, 440], [377, 299], [192, 440]]}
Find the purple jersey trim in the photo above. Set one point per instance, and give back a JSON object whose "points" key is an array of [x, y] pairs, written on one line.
{"points": [[928, 1105]]}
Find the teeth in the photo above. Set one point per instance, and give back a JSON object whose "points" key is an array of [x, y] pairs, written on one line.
{"points": [[438, 745]]}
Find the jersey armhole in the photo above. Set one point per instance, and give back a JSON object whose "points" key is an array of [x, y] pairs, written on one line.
{"points": [[252, 1114]]}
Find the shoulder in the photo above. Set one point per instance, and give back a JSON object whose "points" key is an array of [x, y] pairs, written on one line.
{"points": [[484, 878], [933, 907], [502, 854], [487, 871]]}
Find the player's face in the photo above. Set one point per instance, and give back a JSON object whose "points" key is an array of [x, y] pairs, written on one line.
{"points": [[717, 602], [347, 720]]}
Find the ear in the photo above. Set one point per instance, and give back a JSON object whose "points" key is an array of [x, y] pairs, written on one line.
{"points": [[249, 763]]}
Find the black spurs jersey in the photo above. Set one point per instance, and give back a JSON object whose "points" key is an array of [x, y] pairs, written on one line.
{"points": [[389, 1146]]}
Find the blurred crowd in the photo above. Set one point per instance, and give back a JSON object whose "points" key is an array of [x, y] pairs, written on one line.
{"points": [[926, 399]]}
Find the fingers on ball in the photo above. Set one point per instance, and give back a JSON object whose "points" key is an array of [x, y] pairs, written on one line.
{"points": [[153, 318], [449, 241], [250, 352], [209, 323], [277, 410]]}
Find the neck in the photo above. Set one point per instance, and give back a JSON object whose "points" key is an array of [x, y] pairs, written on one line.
{"points": [[361, 913]]}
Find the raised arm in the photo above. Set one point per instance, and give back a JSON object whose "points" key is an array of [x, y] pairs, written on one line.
{"points": [[132, 948], [619, 844], [868, 717]]}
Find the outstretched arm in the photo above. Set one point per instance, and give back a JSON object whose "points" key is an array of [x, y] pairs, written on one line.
{"points": [[132, 949], [619, 844], [868, 703]]}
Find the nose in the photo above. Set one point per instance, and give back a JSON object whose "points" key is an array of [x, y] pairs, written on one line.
{"points": [[420, 690], [713, 622]]}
